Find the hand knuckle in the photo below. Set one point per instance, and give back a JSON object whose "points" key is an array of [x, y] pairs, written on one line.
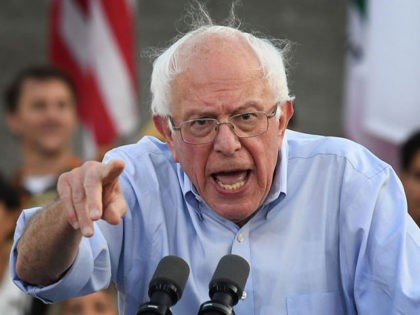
{"points": [[89, 182], [78, 196]]}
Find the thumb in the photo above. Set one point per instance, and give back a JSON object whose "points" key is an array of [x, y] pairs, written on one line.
{"points": [[112, 171]]}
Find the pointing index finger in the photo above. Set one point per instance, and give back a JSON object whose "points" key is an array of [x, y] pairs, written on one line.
{"points": [[108, 175], [111, 171]]}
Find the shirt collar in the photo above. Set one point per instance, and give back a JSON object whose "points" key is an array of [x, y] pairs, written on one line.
{"points": [[279, 186]]}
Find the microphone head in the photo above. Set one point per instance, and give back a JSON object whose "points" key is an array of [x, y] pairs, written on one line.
{"points": [[171, 275], [231, 275]]}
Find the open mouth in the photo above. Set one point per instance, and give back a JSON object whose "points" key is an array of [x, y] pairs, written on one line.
{"points": [[233, 180]]}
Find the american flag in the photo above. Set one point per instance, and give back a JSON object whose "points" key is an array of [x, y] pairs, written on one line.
{"points": [[93, 41]]}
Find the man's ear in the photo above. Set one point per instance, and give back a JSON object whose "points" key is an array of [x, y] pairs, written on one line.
{"points": [[286, 115], [162, 125], [13, 123]]}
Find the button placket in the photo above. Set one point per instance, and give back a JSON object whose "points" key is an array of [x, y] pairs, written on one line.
{"points": [[240, 237], [241, 246]]}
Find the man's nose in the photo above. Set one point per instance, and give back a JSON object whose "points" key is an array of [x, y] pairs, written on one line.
{"points": [[54, 110], [226, 141]]}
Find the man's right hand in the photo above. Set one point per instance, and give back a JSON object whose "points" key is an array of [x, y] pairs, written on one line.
{"points": [[92, 192], [50, 242]]}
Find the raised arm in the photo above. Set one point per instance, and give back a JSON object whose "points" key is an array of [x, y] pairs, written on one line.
{"points": [[50, 242]]}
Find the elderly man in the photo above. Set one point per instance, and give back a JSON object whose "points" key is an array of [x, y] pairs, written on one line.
{"points": [[322, 222]]}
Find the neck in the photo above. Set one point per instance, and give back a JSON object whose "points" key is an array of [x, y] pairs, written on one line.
{"points": [[37, 163]]}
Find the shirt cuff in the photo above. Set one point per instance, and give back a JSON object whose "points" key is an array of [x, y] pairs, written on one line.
{"points": [[75, 281]]}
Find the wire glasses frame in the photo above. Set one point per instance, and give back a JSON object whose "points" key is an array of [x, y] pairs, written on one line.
{"points": [[243, 125]]}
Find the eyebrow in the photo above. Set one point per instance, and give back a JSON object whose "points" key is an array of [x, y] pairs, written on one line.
{"points": [[248, 106]]}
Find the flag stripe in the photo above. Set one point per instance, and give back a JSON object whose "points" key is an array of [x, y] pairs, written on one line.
{"points": [[95, 111], [85, 41], [60, 56], [118, 13], [90, 106], [111, 75], [83, 5], [73, 25]]}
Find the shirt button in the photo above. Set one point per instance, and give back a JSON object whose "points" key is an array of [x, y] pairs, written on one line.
{"points": [[240, 238], [243, 297]]}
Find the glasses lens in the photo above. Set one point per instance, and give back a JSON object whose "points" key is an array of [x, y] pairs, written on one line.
{"points": [[204, 130], [249, 124], [199, 131]]}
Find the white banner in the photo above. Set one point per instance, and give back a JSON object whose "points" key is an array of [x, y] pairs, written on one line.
{"points": [[393, 69]]}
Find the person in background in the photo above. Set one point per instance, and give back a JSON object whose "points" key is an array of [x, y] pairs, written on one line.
{"points": [[12, 300], [322, 222], [41, 113], [410, 174], [103, 302]]}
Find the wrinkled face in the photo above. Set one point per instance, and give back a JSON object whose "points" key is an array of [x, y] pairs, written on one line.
{"points": [[99, 303], [45, 118], [411, 181], [233, 175]]}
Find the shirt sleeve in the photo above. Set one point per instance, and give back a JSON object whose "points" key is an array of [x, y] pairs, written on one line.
{"points": [[381, 249], [90, 272]]}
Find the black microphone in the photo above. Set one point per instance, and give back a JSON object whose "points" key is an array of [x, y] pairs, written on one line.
{"points": [[166, 286], [226, 286]]}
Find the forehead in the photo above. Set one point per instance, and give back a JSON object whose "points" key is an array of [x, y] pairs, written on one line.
{"points": [[218, 71], [33, 89], [41, 84]]}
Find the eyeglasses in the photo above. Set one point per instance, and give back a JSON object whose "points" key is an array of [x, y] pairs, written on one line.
{"points": [[204, 130]]}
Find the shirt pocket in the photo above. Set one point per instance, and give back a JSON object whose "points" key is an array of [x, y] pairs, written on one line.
{"points": [[327, 303]]}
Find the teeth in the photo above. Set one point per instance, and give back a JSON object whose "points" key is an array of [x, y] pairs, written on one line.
{"points": [[232, 186]]}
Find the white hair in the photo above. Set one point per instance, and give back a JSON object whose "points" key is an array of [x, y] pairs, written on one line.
{"points": [[167, 66]]}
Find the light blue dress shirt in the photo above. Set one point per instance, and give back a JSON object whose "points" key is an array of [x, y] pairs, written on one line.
{"points": [[333, 236]]}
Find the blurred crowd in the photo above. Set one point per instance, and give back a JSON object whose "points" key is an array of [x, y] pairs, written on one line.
{"points": [[41, 113]]}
